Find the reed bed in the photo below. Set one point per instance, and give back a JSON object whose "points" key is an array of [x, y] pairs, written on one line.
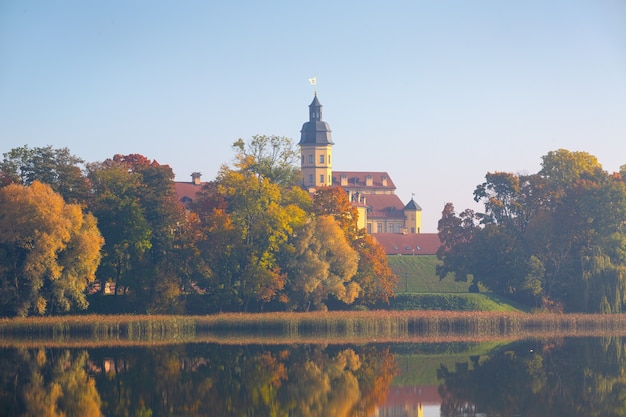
{"points": [[323, 327]]}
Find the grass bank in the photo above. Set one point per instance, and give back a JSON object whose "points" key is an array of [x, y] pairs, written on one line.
{"points": [[456, 302]]}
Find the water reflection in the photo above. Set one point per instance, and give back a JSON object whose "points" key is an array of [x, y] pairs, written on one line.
{"points": [[573, 377], [568, 377], [195, 380]]}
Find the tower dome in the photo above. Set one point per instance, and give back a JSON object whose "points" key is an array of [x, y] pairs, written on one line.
{"points": [[315, 131]]}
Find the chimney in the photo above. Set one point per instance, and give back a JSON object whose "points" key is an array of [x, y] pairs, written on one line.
{"points": [[195, 178]]}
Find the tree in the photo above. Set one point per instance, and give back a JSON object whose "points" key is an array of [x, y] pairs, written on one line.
{"points": [[143, 225], [49, 249], [245, 223], [272, 157], [56, 167], [319, 263], [456, 234], [333, 201], [557, 237], [511, 199], [374, 276], [122, 222]]}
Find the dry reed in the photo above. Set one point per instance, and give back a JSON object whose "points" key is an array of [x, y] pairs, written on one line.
{"points": [[324, 327]]}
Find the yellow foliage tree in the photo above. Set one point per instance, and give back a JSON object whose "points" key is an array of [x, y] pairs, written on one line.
{"points": [[49, 251]]}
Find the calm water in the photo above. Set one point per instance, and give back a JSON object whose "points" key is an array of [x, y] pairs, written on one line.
{"points": [[562, 377]]}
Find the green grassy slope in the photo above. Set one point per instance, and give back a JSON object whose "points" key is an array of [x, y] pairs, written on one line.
{"points": [[420, 288], [418, 275]]}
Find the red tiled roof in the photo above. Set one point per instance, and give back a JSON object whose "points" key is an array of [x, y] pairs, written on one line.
{"points": [[409, 244], [186, 190], [384, 205], [357, 179]]}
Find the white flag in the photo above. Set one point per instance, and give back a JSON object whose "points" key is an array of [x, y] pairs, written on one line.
{"points": [[313, 80]]}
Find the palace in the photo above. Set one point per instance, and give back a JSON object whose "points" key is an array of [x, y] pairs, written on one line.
{"points": [[373, 193], [395, 225]]}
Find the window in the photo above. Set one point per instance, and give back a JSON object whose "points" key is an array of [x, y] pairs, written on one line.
{"points": [[310, 159], [310, 179], [379, 227], [322, 159], [321, 178], [390, 227], [328, 159]]}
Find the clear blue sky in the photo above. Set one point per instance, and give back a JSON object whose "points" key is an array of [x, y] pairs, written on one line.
{"points": [[436, 93]]}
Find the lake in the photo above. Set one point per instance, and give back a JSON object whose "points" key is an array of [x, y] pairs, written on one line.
{"points": [[564, 376]]}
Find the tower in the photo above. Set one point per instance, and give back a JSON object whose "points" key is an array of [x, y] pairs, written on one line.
{"points": [[316, 146]]}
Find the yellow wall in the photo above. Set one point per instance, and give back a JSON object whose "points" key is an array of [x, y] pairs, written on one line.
{"points": [[316, 168]]}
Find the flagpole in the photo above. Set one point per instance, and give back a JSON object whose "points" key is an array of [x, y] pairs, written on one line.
{"points": [[313, 82]]}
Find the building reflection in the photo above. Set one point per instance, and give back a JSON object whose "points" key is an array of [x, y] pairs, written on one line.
{"points": [[408, 401]]}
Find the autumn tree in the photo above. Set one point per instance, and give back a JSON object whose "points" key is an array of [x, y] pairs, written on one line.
{"points": [[319, 263], [374, 276], [333, 201], [49, 250], [245, 222]]}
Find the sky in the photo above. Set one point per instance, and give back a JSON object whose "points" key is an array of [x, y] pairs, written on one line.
{"points": [[436, 93]]}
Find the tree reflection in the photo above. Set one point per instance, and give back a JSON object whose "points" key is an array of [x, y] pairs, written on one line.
{"points": [[47, 384], [212, 380], [573, 377]]}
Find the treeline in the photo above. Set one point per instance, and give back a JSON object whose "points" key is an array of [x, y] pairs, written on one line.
{"points": [[252, 239], [554, 240]]}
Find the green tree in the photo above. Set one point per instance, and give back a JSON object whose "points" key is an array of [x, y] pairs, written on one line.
{"points": [[49, 249], [56, 167], [456, 234], [272, 157], [555, 237], [145, 229], [126, 230]]}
